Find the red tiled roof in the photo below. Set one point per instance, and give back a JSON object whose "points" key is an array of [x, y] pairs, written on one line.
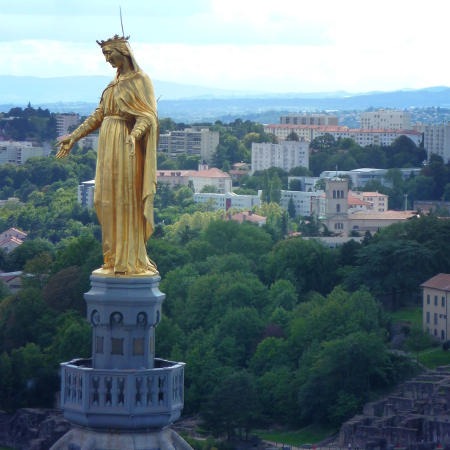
{"points": [[373, 194], [356, 201], [11, 238], [386, 215], [168, 173], [15, 230], [210, 173], [358, 130], [441, 281], [239, 217], [239, 172], [9, 278]]}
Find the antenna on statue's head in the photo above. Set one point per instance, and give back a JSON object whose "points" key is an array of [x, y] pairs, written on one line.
{"points": [[121, 23]]}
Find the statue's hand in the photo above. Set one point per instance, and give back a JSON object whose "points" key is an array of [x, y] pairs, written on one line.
{"points": [[66, 145], [131, 142]]}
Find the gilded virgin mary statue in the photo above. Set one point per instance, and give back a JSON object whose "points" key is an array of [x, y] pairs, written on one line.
{"points": [[125, 179]]}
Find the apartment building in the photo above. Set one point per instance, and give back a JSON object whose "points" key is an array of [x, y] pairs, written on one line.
{"points": [[306, 183], [308, 119], [193, 142], [389, 119], [211, 177], [286, 155], [363, 138], [377, 201], [435, 305], [436, 139], [90, 141], [302, 201], [86, 193], [15, 152], [64, 121], [229, 200]]}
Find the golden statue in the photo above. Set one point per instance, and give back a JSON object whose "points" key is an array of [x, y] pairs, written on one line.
{"points": [[125, 180]]}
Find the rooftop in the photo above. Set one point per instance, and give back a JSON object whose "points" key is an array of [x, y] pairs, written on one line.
{"points": [[247, 216], [387, 215], [441, 281], [210, 173], [11, 239], [354, 201]]}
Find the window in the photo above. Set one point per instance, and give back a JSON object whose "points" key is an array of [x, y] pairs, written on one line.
{"points": [[435, 318], [428, 299], [435, 300], [342, 194], [442, 335], [428, 317], [338, 209], [443, 302]]}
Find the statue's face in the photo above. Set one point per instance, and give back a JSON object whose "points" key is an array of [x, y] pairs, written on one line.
{"points": [[113, 56]]}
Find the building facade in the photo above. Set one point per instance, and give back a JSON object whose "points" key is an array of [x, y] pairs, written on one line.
{"points": [[17, 153], [286, 155], [378, 202], [389, 119], [193, 142], [308, 119], [211, 177], [436, 139], [90, 141], [64, 121], [12, 280], [435, 305], [14, 232], [86, 193], [302, 201], [229, 200]]}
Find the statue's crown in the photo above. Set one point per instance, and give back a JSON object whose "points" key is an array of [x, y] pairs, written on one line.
{"points": [[116, 39]]}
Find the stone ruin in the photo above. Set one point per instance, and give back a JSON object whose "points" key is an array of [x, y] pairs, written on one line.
{"points": [[415, 416]]}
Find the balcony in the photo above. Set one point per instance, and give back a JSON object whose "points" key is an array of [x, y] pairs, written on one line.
{"points": [[122, 399]]}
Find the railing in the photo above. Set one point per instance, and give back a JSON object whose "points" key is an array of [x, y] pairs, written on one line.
{"points": [[136, 392]]}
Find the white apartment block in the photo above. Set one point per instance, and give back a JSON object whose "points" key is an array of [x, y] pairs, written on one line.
{"points": [[193, 142], [389, 119], [86, 193], [436, 139], [229, 200], [286, 155], [64, 121], [15, 152], [363, 138], [308, 119], [211, 177], [302, 201]]}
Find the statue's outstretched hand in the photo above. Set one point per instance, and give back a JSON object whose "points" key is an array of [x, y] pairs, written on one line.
{"points": [[66, 145]]}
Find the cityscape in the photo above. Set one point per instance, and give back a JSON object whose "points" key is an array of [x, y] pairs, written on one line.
{"points": [[223, 239]]}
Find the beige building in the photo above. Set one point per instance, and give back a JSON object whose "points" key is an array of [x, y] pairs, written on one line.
{"points": [[193, 142], [308, 119], [378, 202], [64, 121], [436, 139], [14, 232], [12, 280], [286, 155], [10, 243], [247, 216], [389, 119], [435, 305], [15, 152], [173, 177], [211, 177]]}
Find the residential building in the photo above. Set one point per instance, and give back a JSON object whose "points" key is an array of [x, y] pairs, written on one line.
{"points": [[306, 183], [240, 166], [12, 280], [308, 119], [212, 177], [360, 177], [341, 214], [435, 305], [10, 243], [302, 201], [14, 232], [364, 138], [286, 155], [18, 152], [431, 205], [229, 200], [90, 141], [200, 142], [247, 216], [173, 177], [236, 175], [64, 121], [86, 193], [377, 202], [389, 119], [436, 139]]}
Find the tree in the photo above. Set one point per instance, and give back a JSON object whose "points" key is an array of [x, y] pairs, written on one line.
{"points": [[293, 136], [265, 196], [300, 171], [320, 184], [282, 294], [184, 195], [291, 208], [226, 167], [275, 189], [419, 339], [295, 185], [208, 188], [36, 270]]}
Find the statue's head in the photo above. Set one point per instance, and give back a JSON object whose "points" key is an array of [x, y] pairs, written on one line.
{"points": [[116, 50]]}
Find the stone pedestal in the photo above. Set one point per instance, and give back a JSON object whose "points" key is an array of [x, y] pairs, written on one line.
{"points": [[123, 390]]}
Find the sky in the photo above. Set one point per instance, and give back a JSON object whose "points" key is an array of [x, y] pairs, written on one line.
{"points": [[265, 45]]}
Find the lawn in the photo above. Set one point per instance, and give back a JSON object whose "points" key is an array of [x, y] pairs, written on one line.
{"points": [[432, 359], [408, 314], [308, 435]]}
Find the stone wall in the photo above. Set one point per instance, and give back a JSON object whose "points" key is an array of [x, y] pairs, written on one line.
{"points": [[32, 429]]}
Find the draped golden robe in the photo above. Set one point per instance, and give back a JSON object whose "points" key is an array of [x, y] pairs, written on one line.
{"points": [[125, 183]]}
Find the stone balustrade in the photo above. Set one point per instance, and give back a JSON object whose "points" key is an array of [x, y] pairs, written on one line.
{"points": [[123, 399]]}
